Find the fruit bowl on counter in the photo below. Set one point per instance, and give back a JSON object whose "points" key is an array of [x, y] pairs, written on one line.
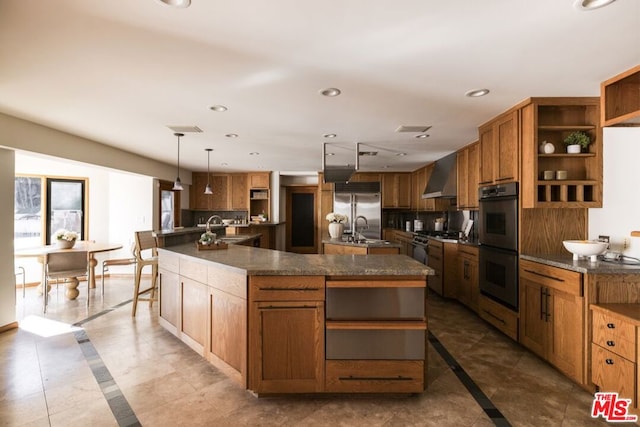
{"points": [[585, 248]]}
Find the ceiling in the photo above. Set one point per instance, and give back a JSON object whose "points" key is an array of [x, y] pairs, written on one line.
{"points": [[119, 72]]}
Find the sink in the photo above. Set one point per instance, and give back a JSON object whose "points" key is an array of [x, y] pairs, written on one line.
{"points": [[372, 241], [227, 239]]}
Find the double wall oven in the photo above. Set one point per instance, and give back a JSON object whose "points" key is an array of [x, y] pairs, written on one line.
{"points": [[498, 238]]}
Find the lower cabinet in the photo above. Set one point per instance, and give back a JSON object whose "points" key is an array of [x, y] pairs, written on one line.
{"points": [[552, 316], [614, 350], [435, 260], [169, 283], [336, 249], [286, 334], [468, 289], [228, 332], [194, 310], [366, 376]]}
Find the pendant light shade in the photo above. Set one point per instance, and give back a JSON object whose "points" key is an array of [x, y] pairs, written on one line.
{"points": [[177, 185], [207, 189]]}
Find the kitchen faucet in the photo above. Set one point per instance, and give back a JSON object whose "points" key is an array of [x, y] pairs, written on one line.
{"points": [[212, 217], [355, 227]]}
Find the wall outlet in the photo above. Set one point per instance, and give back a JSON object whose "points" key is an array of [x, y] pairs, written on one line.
{"points": [[625, 243]]}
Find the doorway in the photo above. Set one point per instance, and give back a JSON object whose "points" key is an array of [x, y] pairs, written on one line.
{"points": [[169, 209], [302, 220]]}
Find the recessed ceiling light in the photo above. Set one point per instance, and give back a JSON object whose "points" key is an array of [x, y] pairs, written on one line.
{"points": [[254, 153], [231, 135], [330, 154], [176, 3], [422, 135], [591, 4], [401, 154], [331, 91], [329, 135], [476, 93], [218, 108]]}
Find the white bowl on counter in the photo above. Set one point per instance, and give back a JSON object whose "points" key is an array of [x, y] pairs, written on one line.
{"points": [[227, 221], [585, 248]]}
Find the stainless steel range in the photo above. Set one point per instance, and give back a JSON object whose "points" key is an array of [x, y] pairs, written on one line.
{"points": [[420, 243]]}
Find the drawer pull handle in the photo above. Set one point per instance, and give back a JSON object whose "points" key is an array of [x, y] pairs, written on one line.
{"points": [[611, 343], [611, 325], [609, 361], [289, 289], [352, 378]]}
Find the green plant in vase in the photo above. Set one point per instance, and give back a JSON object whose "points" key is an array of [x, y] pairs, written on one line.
{"points": [[577, 142]]}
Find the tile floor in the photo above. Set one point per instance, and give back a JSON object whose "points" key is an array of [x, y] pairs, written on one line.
{"points": [[134, 368]]}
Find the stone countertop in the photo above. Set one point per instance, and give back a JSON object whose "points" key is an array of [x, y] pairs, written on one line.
{"points": [[258, 224], [187, 230], [267, 262], [375, 244], [583, 265], [440, 239]]}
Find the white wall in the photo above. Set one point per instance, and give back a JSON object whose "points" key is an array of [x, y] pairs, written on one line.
{"points": [[620, 213]]}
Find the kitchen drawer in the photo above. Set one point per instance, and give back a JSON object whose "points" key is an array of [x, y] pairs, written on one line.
{"points": [[614, 334], [286, 288], [195, 270], [362, 341], [499, 316], [556, 278], [374, 376], [168, 261], [612, 373], [375, 303]]}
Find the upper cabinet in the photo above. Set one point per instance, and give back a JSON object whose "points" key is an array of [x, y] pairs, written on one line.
{"points": [[229, 192], [499, 149], [557, 179], [396, 190], [259, 179], [468, 167], [259, 194], [620, 99], [365, 177]]}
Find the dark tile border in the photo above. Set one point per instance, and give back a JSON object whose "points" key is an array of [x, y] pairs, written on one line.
{"points": [[485, 403]]}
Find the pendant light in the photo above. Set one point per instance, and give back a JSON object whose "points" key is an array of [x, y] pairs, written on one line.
{"points": [[207, 189], [177, 185]]}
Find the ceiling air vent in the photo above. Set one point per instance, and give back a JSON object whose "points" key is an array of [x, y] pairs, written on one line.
{"points": [[185, 129], [418, 129], [368, 153]]}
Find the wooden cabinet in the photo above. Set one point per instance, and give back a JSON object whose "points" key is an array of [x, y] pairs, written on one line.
{"points": [[450, 270], [620, 99], [435, 260], [337, 249], [169, 283], [551, 120], [229, 192], [500, 149], [365, 177], [259, 179], [468, 290], [614, 350], [552, 316], [468, 167], [396, 190], [503, 319], [286, 334]]}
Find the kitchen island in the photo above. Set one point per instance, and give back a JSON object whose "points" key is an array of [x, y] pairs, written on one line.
{"points": [[263, 317], [339, 246]]}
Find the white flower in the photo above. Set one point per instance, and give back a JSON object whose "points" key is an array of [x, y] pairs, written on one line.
{"points": [[63, 234], [336, 217]]}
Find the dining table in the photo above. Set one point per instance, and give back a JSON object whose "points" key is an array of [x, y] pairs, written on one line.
{"points": [[91, 247]]}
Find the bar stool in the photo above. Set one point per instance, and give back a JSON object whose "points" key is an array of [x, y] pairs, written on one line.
{"points": [[145, 240]]}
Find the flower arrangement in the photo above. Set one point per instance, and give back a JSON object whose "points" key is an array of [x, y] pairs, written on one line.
{"points": [[337, 218], [67, 235]]}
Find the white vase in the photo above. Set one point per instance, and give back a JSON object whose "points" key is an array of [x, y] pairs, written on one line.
{"points": [[574, 149], [335, 230], [65, 244]]}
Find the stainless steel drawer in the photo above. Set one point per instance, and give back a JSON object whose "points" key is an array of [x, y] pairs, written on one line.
{"points": [[375, 344], [375, 304]]}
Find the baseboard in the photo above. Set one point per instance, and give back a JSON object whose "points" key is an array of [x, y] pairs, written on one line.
{"points": [[10, 326]]}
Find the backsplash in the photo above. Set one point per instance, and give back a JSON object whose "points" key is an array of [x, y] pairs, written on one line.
{"points": [[191, 218]]}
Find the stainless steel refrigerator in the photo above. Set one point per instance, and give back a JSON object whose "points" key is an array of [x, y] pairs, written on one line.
{"points": [[360, 199]]}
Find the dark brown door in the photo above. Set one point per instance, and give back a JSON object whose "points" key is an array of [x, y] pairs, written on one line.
{"points": [[301, 220]]}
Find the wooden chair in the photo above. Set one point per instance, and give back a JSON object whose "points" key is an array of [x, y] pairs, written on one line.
{"points": [[64, 265], [117, 261], [145, 240]]}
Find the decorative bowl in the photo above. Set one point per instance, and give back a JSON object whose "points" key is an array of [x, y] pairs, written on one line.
{"points": [[65, 244], [227, 221], [588, 248]]}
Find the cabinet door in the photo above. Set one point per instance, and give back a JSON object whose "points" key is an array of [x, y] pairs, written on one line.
{"points": [[169, 285], [193, 325], [463, 176], [220, 196], [239, 192], [259, 179], [506, 148], [198, 200], [463, 290], [473, 176], [287, 344], [404, 190], [566, 345], [450, 267], [534, 327], [487, 154], [228, 331], [388, 190], [415, 194], [396, 190]]}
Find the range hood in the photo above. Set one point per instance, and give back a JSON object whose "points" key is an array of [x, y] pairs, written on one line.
{"points": [[444, 179], [338, 173]]}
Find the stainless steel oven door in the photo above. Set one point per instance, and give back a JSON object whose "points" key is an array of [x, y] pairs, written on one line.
{"points": [[499, 222], [419, 252], [499, 275]]}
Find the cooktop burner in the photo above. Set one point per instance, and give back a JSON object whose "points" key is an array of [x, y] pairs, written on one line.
{"points": [[441, 234]]}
